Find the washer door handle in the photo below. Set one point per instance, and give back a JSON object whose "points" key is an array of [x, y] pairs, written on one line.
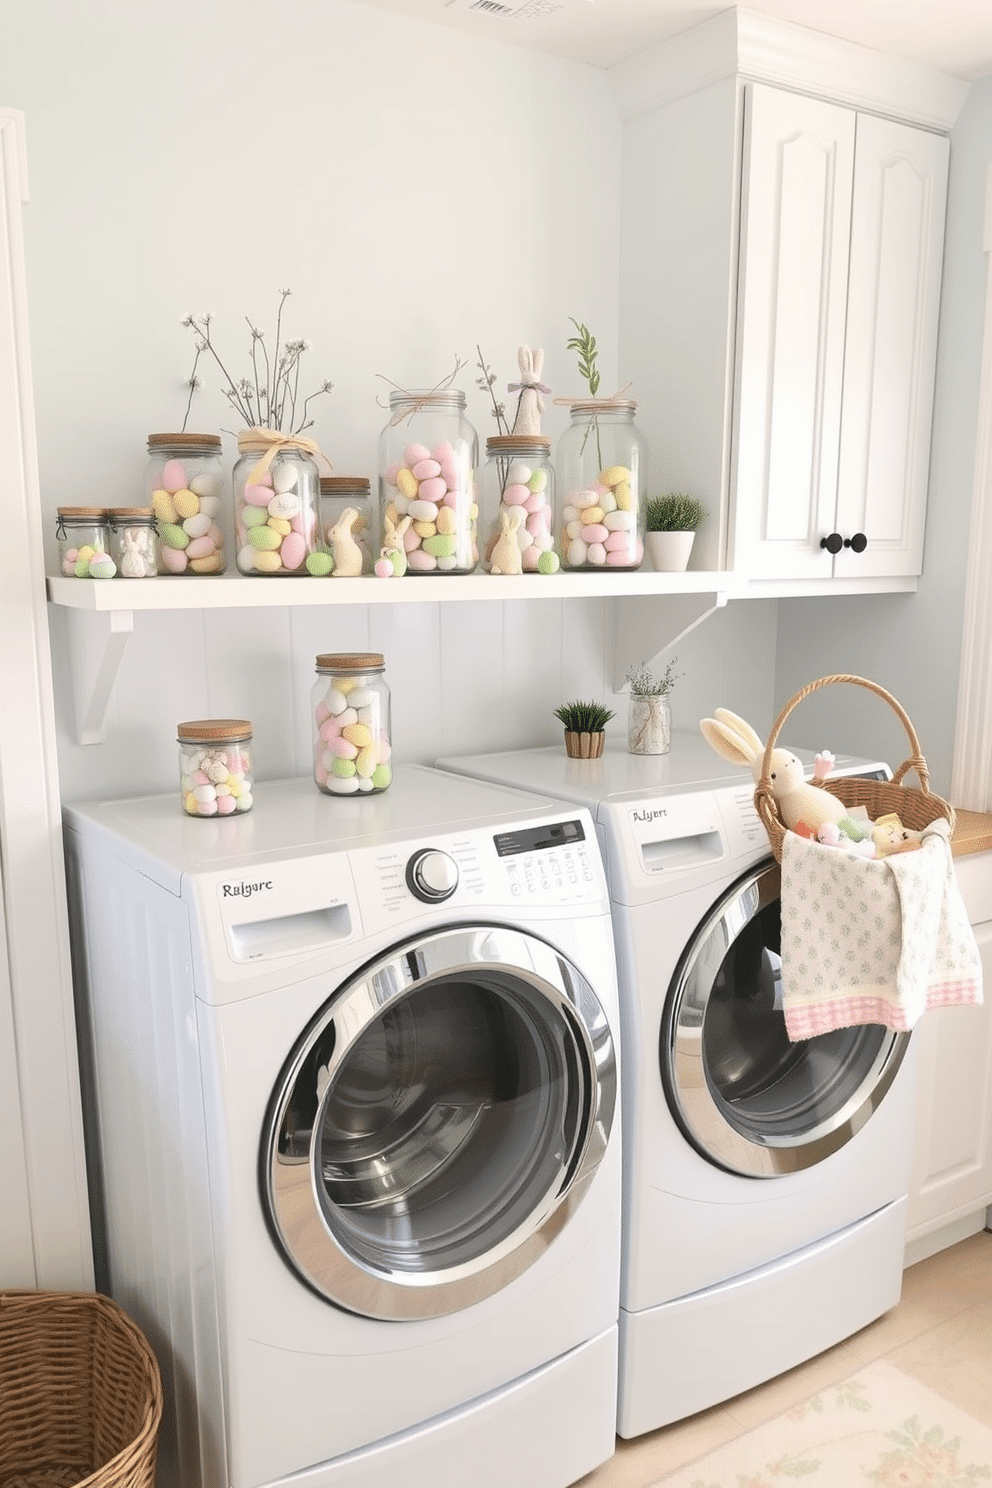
{"points": [[431, 875]]}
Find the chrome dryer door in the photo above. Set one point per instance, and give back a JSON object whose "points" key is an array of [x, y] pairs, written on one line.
{"points": [[747, 1098], [438, 1123]]}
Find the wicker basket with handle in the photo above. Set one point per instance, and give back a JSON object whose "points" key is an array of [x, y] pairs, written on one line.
{"points": [[80, 1393], [916, 808]]}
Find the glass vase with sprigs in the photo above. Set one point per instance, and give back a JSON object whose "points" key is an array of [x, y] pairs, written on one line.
{"points": [[649, 714]]}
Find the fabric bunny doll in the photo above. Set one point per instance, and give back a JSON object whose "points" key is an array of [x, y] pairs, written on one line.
{"points": [[797, 801]]}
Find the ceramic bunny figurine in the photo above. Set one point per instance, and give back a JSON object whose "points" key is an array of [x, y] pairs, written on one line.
{"points": [[506, 557], [344, 549], [798, 801], [393, 550], [530, 405]]}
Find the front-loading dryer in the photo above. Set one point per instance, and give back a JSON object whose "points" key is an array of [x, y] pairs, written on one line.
{"points": [[765, 1182], [350, 1075]]}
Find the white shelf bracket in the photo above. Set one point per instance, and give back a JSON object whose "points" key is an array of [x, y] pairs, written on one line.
{"points": [[96, 646], [648, 626]]}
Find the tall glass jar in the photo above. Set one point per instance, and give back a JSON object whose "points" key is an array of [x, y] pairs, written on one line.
{"points": [[346, 523], [184, 486], [428, 454], [351, 724], [276, 508], [215, 766], [517, 505], [84, 542], [601, 462], [133, 541]]}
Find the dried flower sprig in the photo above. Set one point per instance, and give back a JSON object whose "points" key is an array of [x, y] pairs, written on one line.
{"points": [[643, 682], [268, 399], [585, 345], [485, 382]]}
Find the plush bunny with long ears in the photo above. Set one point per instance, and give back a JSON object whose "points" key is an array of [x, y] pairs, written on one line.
{"points": [[797, 800]]}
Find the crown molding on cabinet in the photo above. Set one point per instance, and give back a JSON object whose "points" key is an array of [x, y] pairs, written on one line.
{"points": [[739, 43]]}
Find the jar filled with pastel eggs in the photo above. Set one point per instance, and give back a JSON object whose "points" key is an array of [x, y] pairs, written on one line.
{"points": [[601, 465], [351, 724], [215, 766], [277, 510], [184, 482], [517, 506], [347, 524], [84, 542], [428, 455]]}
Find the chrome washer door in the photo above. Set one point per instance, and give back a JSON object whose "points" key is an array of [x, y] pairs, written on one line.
{"points": [[438, 1123], [747, 1098]]}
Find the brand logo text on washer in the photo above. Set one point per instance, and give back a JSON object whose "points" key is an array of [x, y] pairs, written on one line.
{"points": [[244, 890], [647, 816]]}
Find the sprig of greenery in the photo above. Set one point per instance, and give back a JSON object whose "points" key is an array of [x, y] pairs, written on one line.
{"points": [[585, 345], [584, 718], [675, 512], [643, 682]]}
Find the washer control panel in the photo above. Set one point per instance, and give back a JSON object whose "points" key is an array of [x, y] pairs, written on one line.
{"points": [[431, 875]]}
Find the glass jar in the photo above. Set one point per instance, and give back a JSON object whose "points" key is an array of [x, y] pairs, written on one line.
{"points": [[215, 766], [133, 541], [276, 509], [428, 454], [351, 727], [84, 542], [184, 483], [517, 505], [341, 534], [601, 461], [649, 724]]}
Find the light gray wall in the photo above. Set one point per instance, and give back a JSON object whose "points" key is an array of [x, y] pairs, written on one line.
{"points": [[910, 644]]}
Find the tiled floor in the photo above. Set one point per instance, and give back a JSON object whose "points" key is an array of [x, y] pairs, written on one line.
{"points": [[941, 1333]]}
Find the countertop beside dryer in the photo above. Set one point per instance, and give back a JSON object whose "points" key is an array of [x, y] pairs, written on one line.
{"points": [[972, 832]]}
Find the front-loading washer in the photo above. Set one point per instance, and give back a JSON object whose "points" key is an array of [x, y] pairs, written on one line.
{"points": [[765, 1182], [350, 1079]]}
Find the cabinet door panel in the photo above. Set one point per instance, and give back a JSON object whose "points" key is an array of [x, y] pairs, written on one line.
{"points": [[798, 178], [897, 234]]}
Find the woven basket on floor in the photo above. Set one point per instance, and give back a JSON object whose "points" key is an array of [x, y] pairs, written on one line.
{"points": [[80, 1393], [915, 808]]}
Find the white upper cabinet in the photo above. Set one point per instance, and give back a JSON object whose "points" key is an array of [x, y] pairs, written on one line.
{"points": [[841, 239]]}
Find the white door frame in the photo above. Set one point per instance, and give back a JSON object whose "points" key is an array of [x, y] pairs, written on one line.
{"points": [[49, 1246]]}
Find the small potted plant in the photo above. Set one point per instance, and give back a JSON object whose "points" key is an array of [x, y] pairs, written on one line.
{"points": [[671, 527], [649, 714], [584, 728]]}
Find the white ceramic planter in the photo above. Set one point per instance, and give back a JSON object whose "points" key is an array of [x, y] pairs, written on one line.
{"points": [[669, 550]]}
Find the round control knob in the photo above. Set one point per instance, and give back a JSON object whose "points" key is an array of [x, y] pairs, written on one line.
{"points": [[833, 543], [431, 875], [857, 543]]}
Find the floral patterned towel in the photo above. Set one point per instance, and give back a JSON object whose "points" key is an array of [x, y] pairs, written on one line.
{"points": [[873, 940], [881, 1429]]}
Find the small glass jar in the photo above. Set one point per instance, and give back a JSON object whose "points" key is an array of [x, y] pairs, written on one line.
{"points": [[215, 766], [428, 454], [351, 726], [133, 541], [276, 510], [601, 462], [342, 534], [649, 724], [517, 505], [84, 542], [184, 484]]}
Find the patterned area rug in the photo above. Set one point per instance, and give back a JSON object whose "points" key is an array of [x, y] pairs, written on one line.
{"points": [[879, 1429]]}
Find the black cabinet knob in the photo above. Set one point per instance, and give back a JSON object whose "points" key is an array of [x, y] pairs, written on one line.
{"points": [[833, 543], [857, 543]]}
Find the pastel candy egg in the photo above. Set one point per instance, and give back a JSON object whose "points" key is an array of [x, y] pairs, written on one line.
{"points": [[392, 471], [319, 564], [172, 560], [423, 510], [226, 805], [69, 564], [576, 553], [197, 526], [163, 506], [608, 502], [172, 536], [425, 529], [366, 762], [381, 776], [329, 730], [209, 563], [614, 475], [244, 801], [410, 540], [102, 566], [548, 563], [426, 469], [518, 474], [284, 476], [263, 539], [383, 568], [173, 475], [361, 697], [595, 532], [584, 499], [200, 547], [341, 748], [407, 483], [596, 554], [206, 484], [257, 495], [539, 480], [569, 513], [619, 521], [266, 562], [357, 734], [335, 700], [342, 787], [624, 559], [447, 520], [617, 542], [515, 495], [441, 546], [204, 792], [414, 453], [85, 553], [537, 524], [254, 516], [246, 558], [592, 514], [346, 718], [573, 530], [624, 496], [284, 504], [186, 502], [422, 562], [294, 551], [343, 768], [432, 490], [536, 501], [280, 525]]}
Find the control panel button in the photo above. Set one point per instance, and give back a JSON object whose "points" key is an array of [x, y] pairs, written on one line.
{"points": [[431, 875]]}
